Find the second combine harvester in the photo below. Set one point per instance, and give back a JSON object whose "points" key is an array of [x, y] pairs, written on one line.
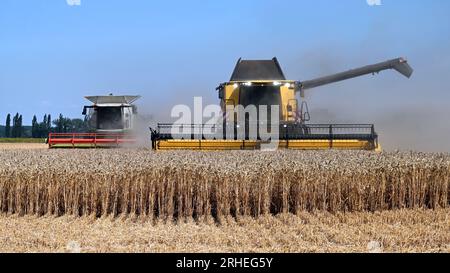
{"points": [[262, 83], [111, 121]]}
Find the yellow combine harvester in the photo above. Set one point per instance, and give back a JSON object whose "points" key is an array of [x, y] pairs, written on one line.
{"points": [[262, 84]]}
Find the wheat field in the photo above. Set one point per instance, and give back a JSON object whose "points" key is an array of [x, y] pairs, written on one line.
{"points": [[136, 200], [184, 184]]}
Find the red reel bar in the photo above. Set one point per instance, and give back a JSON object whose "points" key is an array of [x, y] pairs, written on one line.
{"points": [[88, 140]]}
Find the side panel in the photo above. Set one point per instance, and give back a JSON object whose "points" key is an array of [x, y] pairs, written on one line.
{"points": [[127, 118], [230, 98], [288, 103], [232, 95]]}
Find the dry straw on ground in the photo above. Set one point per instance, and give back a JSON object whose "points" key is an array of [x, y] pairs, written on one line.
{"points": [[172, 185], [22, 146], [387, 231]]}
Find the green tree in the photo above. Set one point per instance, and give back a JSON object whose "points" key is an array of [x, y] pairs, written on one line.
{"points": [[59, 124], [8, 126], [49, 124], [44, 121], [14, 132], [78, 126], [67, 125], [19, 127], [34, 128], [43, 127]]}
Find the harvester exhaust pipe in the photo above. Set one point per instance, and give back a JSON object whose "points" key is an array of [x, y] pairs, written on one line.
{"points": [[399, 64]]}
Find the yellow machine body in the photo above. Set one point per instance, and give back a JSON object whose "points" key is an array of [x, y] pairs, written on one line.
{"points": [[230, 96]]}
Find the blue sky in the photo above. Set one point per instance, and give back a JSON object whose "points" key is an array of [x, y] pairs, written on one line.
{"points": [[53, 54]]}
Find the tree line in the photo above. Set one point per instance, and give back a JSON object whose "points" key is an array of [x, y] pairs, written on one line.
{"points": [[41, 129], [16, 129]]}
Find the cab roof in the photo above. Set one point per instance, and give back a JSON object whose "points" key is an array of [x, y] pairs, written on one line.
{"points": [[254, 70], [98, 100]]}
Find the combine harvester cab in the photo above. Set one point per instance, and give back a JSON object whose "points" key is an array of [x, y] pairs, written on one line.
{"points": [[262, 83], [111, 122]]}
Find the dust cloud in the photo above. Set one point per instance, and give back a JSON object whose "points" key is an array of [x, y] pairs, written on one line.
{"points": [[409, 114], [407, 129]]}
